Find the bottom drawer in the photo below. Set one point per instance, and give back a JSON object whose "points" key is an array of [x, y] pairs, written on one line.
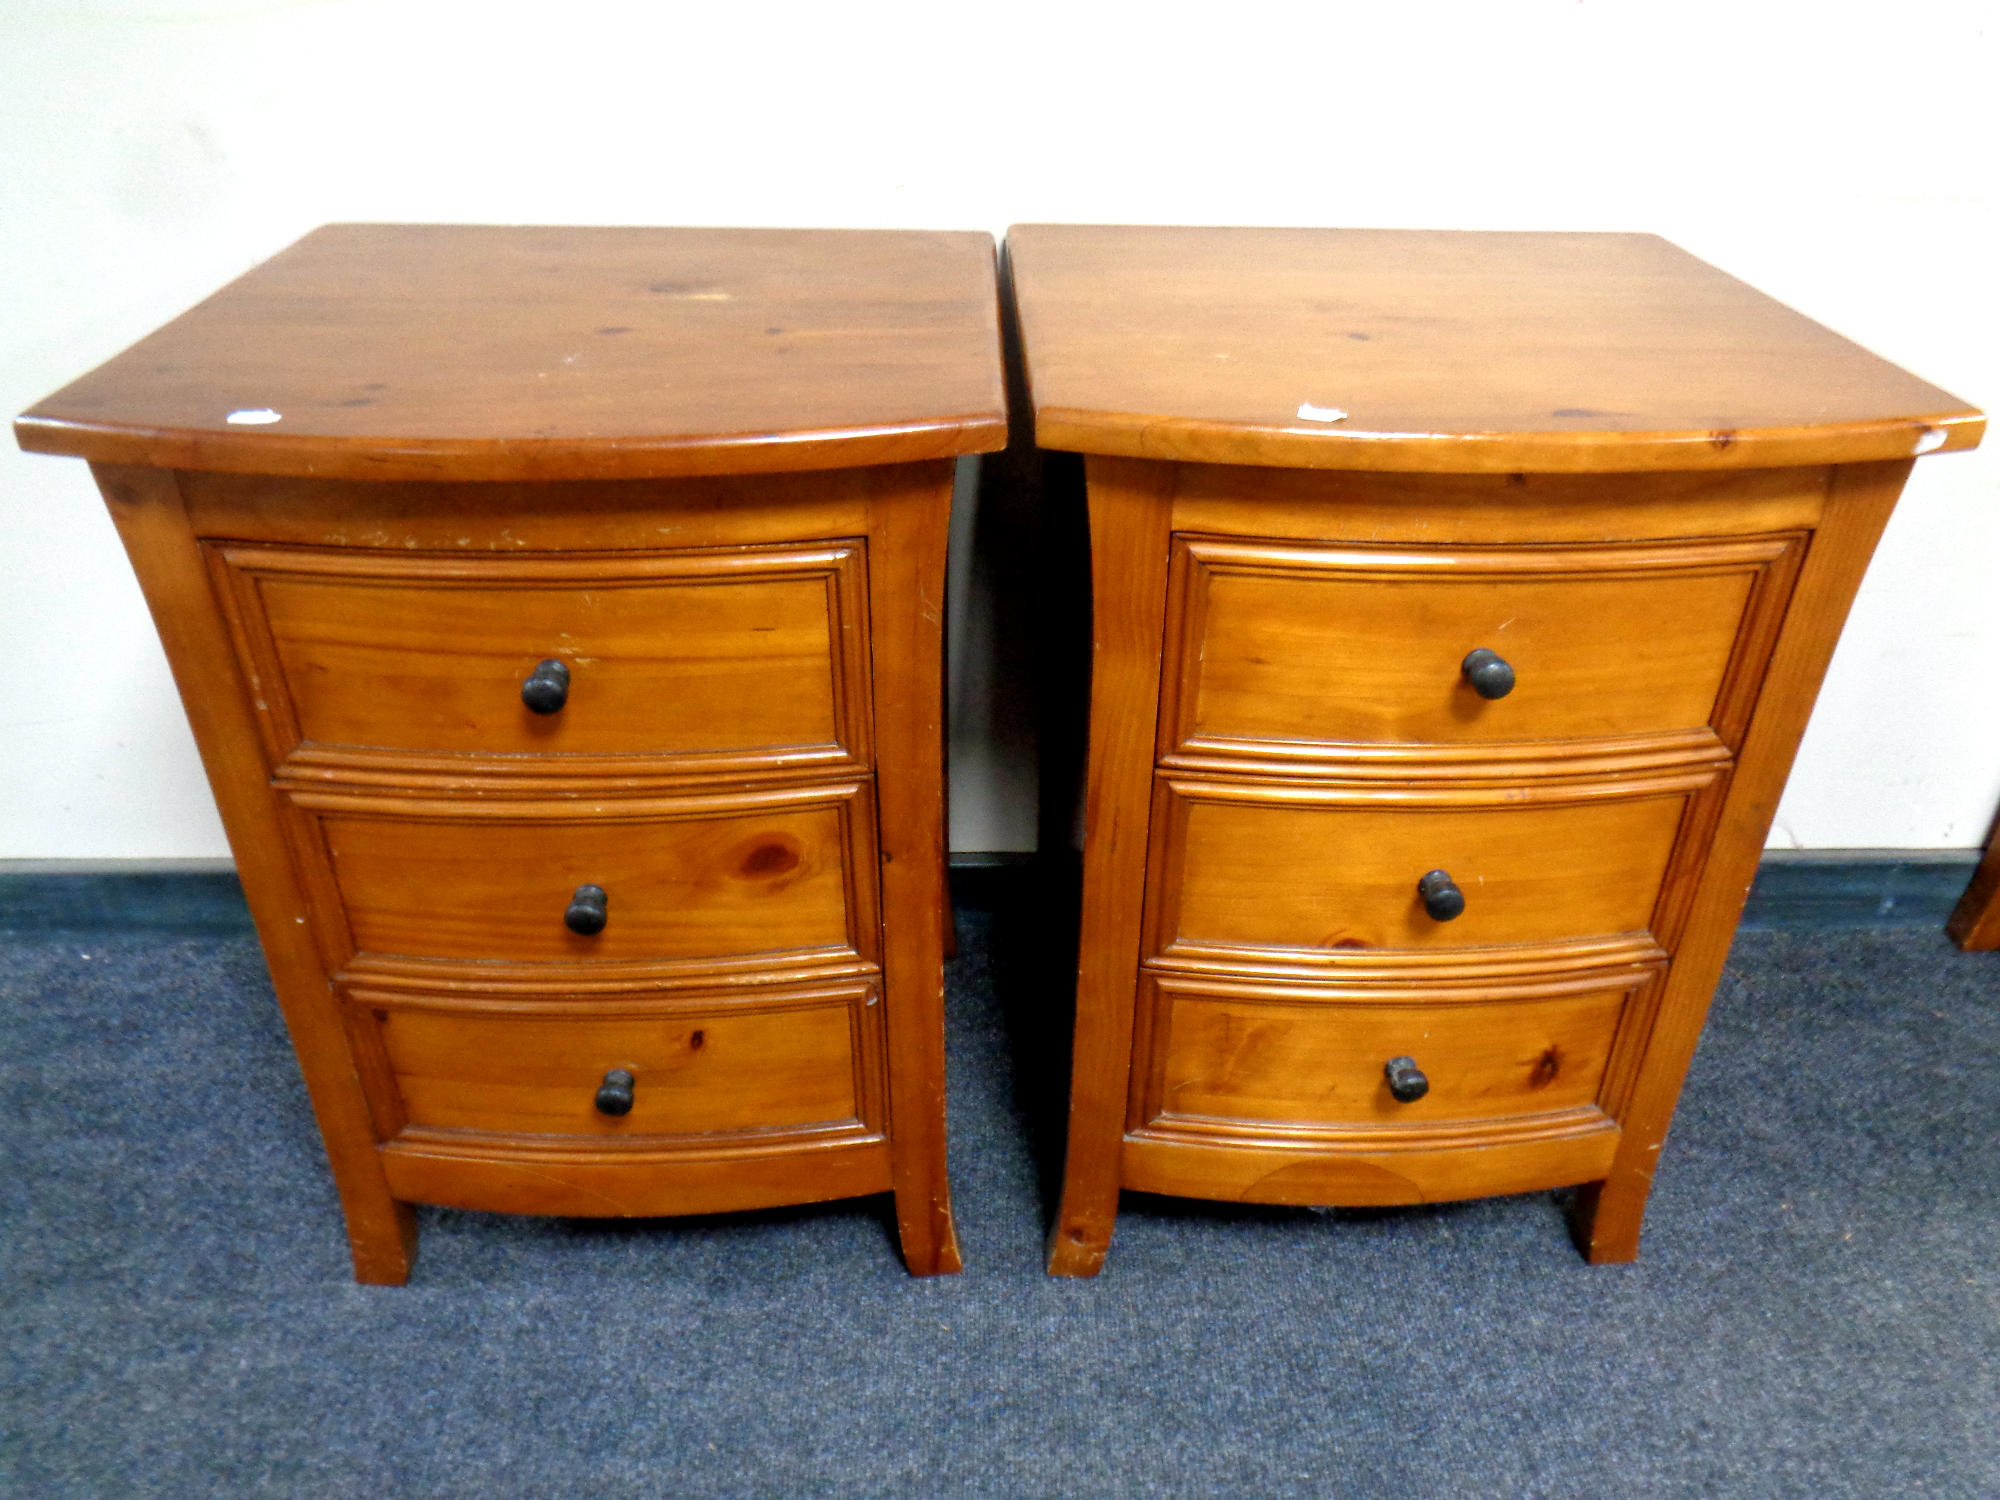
{"points": [[1282, 1092], [799, 1062], [1295, 1057]]}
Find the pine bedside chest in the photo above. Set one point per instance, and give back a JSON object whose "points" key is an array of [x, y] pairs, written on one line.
{"points": [[557, 613], [1459, 602]]}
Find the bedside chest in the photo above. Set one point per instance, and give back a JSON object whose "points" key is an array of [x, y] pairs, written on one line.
{"points": [[1459, 602], [558, 615]]}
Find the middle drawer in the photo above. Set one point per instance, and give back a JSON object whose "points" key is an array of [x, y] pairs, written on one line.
{"points": [[1259, 873], [695, 879]]}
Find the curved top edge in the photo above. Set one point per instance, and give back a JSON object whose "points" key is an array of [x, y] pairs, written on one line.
{"points": [[305, 455], [1190, 440]]}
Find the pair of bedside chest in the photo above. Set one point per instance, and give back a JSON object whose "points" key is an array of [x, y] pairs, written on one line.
{"points": [[558, 614]]}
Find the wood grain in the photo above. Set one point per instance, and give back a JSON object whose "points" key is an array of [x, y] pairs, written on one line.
{"points": [[1294, 647], [1456, 510], [729, 1069], [696, 879], [720, 661], [1130, 508], [1607, 1217], [456, 352], [555, 515], [146, 505], [908, 531], [1446, 352], [1372, 1172], [1245, 866], [1261, 1060], [526, 1176]]}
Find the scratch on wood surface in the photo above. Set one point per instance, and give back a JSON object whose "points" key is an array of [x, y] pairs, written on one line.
{"points": [[617, 1204]]}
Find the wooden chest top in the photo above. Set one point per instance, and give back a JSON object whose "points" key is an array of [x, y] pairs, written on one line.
{"points": [[457, 352], [1442, 352]]}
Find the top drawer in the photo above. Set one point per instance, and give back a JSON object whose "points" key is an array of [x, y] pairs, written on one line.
{"points": [[1281, 650], [713, 661]]}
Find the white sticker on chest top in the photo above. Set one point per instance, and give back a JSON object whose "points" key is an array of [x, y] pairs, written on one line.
{"points": [[1310, 413]]}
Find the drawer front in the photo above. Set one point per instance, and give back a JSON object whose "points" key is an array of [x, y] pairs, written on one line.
{"points": [[694, 880], [1242, 868], [757, 656], [1247, 1056], [790, 1065], [1278, 649]]}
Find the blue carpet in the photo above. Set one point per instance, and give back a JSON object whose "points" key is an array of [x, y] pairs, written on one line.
{"points": [[1817, 1312]]}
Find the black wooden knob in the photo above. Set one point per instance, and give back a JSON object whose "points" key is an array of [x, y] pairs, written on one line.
{"points": [[1406, 1080], [1440, 894], [587, 912], [546, 689], [1489, 675], [614, 1095]]}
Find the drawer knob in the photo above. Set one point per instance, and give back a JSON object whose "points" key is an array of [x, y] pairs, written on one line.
{"points": [[547, 687], [614, 1095], [1440, 894], [1489, 675], [1406, 1080], [587, 912]]}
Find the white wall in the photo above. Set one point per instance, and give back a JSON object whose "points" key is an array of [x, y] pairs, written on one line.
{"points": [[1842, 159]]}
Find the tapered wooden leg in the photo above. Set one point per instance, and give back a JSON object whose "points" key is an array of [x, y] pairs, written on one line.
{"points": [[147, 508], [1082, 1234], [1130, 511], [1605, 1219], [1608, 1216], [384, 1254], [947, 925], [1975, 924], [906, 554]]}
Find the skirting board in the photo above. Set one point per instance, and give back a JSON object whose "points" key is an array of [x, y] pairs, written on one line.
{"points": [[1824, 888], [1818, 888]]}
